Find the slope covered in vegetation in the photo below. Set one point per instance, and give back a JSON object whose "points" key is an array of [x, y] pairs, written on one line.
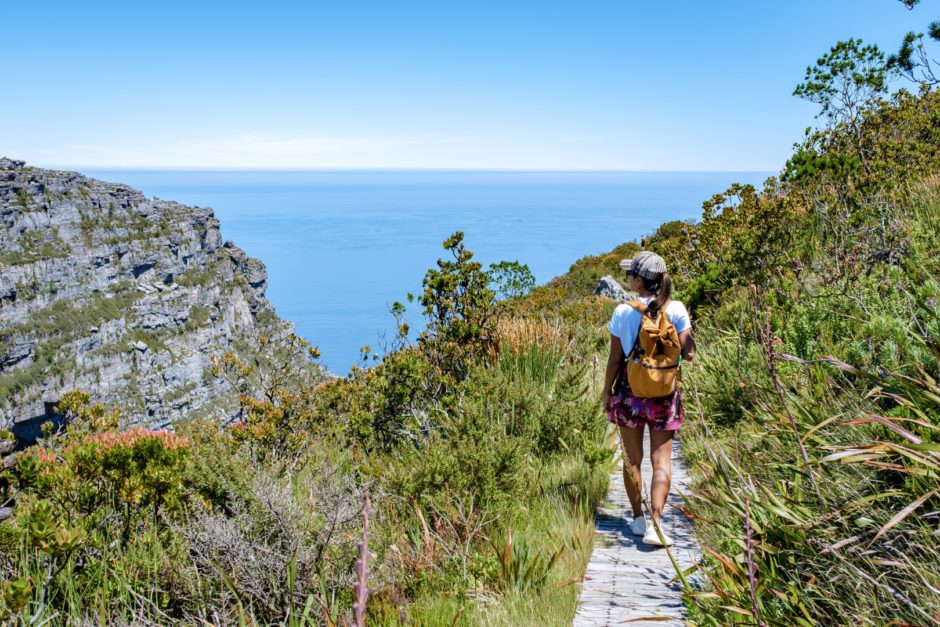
{"points": [[814, 423], [480, 447]]}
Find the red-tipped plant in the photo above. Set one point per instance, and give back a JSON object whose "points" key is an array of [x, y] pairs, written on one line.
{"points": [[361, 587], [751, 563]]}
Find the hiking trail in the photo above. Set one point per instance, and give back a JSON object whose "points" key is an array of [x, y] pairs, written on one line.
{"points": [[626, 579]]}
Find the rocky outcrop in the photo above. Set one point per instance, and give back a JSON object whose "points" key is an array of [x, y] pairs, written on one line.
{"points": [[126, 297], [609, 287]]}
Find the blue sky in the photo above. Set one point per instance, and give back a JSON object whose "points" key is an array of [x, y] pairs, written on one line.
{"points": [[617, 85]]}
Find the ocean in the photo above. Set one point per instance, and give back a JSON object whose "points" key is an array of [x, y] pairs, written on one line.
{"points": [[341, 246]]}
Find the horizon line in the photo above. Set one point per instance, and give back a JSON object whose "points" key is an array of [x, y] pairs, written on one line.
{"points": [[339, 169]]}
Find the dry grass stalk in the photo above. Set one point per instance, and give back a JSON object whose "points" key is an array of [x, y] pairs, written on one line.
{"points": [[518, 334]]}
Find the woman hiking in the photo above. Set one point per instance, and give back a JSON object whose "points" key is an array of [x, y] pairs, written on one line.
{"points": [[649, 337]]}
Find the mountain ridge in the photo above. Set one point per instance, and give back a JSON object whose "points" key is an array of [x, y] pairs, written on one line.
{"points": [[126, 297]]}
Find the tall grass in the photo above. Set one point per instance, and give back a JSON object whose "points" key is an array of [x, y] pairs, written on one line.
{"points": [[531, 349], [862, 549], [518, 561]]}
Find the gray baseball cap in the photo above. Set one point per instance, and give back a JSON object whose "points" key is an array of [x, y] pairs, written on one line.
{"points": [[646, 264]]}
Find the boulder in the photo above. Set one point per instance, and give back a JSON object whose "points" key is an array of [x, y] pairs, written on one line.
{"points": [[609, 287], [10, 164]]}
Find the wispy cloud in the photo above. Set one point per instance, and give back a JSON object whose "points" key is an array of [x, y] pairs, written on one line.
{"points": [[265, 145], [245, 150]]}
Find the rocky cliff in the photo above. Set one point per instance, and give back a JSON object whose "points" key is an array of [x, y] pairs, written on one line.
{"points": [[126, 297]]}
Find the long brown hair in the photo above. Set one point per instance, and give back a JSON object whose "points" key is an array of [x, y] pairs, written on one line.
{"points": [[662, 288]]}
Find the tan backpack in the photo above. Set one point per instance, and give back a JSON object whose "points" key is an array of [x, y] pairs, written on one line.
{"points": [[653, 362]]}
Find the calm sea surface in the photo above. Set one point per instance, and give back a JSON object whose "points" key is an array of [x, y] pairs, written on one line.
{"points": [[341, 246]]}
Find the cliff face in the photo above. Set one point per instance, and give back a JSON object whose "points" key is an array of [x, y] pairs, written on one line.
{"points": [[128, 298]]}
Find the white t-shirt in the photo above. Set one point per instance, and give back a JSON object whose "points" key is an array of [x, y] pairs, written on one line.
{"points": [[626, 321]]}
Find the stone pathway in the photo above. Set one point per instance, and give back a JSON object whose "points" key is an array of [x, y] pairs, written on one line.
{"points": [[627, 579]]}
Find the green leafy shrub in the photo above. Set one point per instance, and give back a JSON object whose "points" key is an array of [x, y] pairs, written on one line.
{"points": [[511, 279], [461, 309]]}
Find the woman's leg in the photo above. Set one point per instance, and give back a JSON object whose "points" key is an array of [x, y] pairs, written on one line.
{"points": [[632, 439], [661, 457]]}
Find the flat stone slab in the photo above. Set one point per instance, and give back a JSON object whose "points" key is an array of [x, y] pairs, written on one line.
{"points": [[629, 580]]}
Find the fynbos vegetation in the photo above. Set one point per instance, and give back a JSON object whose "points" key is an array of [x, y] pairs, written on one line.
{"points": [[454, 482], [483, 454], [815, 407]]}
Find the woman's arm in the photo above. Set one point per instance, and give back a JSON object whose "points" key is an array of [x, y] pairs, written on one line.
{"points": [[688, 345], [613, 363]]}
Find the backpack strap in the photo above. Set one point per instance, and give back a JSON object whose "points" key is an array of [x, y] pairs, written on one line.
{"points": [[641, 307]]}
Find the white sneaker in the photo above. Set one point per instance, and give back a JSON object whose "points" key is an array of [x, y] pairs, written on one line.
{"points": [[651, 537], [638, 526]]}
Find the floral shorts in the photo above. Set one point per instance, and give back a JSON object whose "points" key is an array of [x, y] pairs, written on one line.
{"points": [[661, 414]]}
